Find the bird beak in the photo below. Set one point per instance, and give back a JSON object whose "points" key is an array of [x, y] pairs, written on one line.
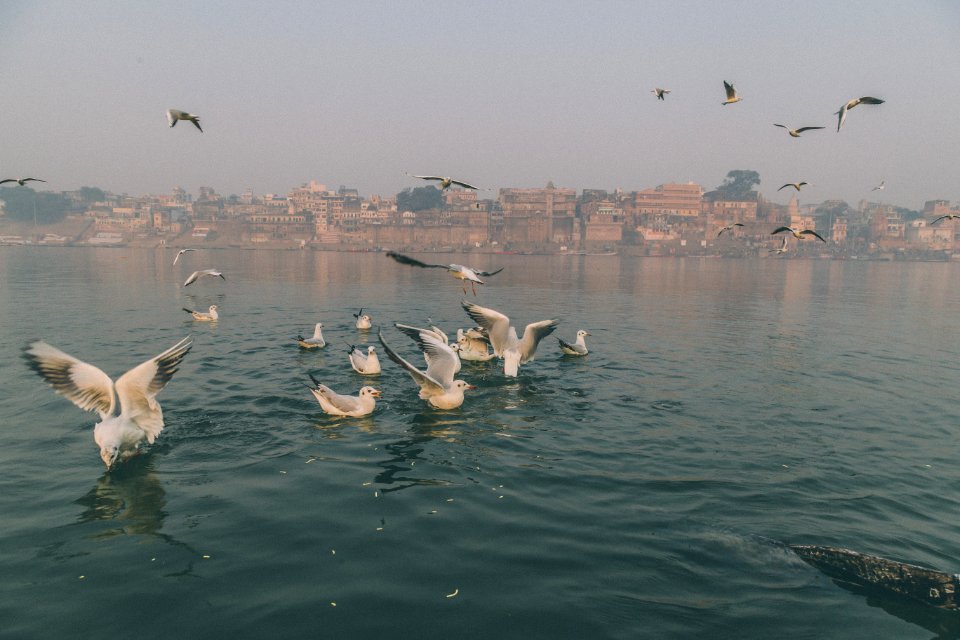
{"points": [[471, 387], [376, 394], [589, 334]]}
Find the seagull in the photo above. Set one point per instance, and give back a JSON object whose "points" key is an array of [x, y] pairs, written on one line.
{"points": [[20, 181], [119, 436], [798, 234], [173, 115], [851, 104], [660, 93], [782, 248], [731, 94], [316, 342], [795, 133], [210, 316], [196, 275], [949, 216], [473, 346], [437, 385], [437, 330], [446, 181], [578, 348], [880, 187], [729, 227], [458, 271], [363, 320], [337, 405], [503, 337], [180, 253], [795, 185], [367, 365]]}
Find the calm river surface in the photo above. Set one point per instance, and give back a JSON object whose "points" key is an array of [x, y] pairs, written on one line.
{"points": [[643, 491]]}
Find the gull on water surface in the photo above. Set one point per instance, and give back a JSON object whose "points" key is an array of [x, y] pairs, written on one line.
{"points": [[366, 364], [578, 348], [503, 336], [363, 320], [210, 316], [339, 405], [437, 385], [180, 253], [196, 275], [473, 346], [174, 115], [119, 435], [316, 341], [463, 273]]}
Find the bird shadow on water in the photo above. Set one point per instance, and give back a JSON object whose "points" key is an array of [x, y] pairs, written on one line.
{"points": [[945, 624]]}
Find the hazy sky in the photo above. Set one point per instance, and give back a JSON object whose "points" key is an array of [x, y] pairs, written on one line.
{"points": [[501, 94]]}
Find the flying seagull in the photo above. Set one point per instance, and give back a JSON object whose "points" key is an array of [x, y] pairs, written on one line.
{"points": [[437, 385], [795, 133], [119, 435], [446, 181], [458, 271], [851, 104], [365, 364], [782, 248], [503, 336], [173, 115], [798, 234], [210, 316], [363, 320], [731, 94], [339, 405], [196, 275], [180, 253], [316, 342], [660, 93], [20, 181], [578, 348], [949, 216], [795, 185], [729, 227], [880, 187]]}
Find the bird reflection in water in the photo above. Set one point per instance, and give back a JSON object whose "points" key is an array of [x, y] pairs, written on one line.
{"points": [[398, 471]]}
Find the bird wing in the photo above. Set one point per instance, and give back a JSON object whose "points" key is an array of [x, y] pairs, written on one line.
{"points": [[566, 345], [342, 403], [869, 100], [171, 117], [811, 232], [443, 361], [489, 273], [802, 129], [532, 335], [82, 384], [192, 278], [785, 186], [402, 259], [8, 180], [495, 323], [784, 127], [138, 388], [357, 359], [731, 92], [421, 378], [32, 180], [464, 185], [842, 115], [196, 122], [430, 177], [780, 229], [939, 219], [721, 231]]}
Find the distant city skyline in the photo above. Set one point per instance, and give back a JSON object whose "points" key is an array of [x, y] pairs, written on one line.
{"points": [[501, 95]]}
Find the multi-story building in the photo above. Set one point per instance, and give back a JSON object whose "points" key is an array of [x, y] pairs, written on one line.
{"points": [[539, 217]]}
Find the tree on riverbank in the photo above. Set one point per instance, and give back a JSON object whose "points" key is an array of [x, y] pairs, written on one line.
{"points": [[21, 203], [419, 199]]}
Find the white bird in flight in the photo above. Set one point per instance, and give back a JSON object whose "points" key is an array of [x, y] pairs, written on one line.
{"points": [[196, 275], [316, 342], [437, 385], [119, 435], [180, 253], [731, 94], [446, 181], [578, 348], [503, 337], [798, 234], [21, 181], [795, 133], [729, 227], [339, 405], [795, 185], [210, 316], [364, 321], [783, 246], [458, 271], [175, 115], [842, 113], [949, 216], [366, 364], [880, 187], [660, 93]]}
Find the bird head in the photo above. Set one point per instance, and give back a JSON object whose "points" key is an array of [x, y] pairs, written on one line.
{"points": [[109, 454], [583, 333], [370, 392], [463, 386], [371, 349]]}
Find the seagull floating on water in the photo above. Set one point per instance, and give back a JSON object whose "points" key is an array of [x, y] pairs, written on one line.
{"points": [[21, 181], [363, 320], [731, 94], [795, 185], [437, 385], [119, 435], [458, 271], [339, 405], [365, 364], [798, 234], [180, 253], [795, 133], [473, 346], [729, 227], [660, 93], [503, 336], [210, 316], [446, 181], [842, 113], [578, 348], [196, 275], [316, 342], [174, 115]]}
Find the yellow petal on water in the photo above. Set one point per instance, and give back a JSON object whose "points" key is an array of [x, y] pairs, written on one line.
{"points": [[333, 604], [206, 557], [153, 559], [379, 528], [434, 511], [283, 472], [499, 497], [455, 592], [81, 578], [449, 499]]}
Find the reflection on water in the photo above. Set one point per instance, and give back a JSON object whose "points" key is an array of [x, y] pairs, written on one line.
{"points": [[131, 497]]}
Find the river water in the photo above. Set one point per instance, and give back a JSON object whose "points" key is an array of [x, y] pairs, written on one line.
{"points": [[643, 491]]}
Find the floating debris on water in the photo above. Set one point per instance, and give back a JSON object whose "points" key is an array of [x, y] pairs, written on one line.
{"points": [[82, 578], [206, 557], [455, 592]]}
